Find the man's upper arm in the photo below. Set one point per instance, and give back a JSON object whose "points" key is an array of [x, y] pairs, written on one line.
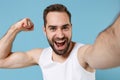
{"points": [[99, 58], [105, 52], [21, 59]]}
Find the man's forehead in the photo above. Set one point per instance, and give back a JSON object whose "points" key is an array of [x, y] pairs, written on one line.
{"points": [[57, 19], [54, 16]]}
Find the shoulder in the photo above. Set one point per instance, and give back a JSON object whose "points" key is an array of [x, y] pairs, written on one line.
{"points": [[81, 58], [35, 54]]}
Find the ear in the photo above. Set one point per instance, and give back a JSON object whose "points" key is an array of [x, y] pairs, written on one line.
{"points": [[44, 30]]}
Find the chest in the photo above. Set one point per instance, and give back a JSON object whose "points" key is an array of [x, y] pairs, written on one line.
{"points": [[66, 71]]}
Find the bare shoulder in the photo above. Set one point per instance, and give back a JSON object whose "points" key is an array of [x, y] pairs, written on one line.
{"points": [[35, 54], [82, 60]]}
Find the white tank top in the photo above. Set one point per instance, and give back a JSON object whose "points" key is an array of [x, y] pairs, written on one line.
{"points": [[69, 70]]}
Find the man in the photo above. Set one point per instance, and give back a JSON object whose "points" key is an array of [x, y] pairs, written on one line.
{"points": [[64, 59]]}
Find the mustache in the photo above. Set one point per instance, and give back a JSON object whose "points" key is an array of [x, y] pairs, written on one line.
{"points": [[58, 39]]}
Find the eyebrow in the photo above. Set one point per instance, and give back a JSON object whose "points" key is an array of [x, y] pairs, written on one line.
{"points": [[66, 25], [56, 25], [51, 26]]}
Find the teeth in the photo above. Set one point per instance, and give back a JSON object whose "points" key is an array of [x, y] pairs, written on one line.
{"points": [[60, 41]]}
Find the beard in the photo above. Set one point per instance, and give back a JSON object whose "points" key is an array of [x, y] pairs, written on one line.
{"points": [[57, 42]]}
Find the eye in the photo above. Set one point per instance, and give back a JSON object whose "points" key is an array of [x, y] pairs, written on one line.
{"points": [[52, 28], [65, 27]]}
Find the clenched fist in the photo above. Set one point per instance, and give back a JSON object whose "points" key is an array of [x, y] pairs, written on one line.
{"points": [[24, 25]]}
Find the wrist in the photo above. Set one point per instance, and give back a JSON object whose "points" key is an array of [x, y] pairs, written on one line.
{"points": [[14, 29]]}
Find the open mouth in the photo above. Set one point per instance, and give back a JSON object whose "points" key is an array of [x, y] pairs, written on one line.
{"points": [[60, 45]]}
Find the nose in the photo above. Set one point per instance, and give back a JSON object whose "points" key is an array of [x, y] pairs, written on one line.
{"points": [[60, 33]]}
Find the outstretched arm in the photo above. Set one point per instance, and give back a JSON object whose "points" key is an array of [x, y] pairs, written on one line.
{"points": [[105, 52], [10, 59]]}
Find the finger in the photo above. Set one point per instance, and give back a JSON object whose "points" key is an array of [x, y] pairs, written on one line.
{"points": [[25, 22], [31, 24], [28, 24]]}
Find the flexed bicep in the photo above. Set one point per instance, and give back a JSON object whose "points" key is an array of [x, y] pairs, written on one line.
{"points": [[21, 59]]}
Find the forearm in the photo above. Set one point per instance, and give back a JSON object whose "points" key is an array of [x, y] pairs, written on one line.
{"points": [[17, 59], [7, 41]]}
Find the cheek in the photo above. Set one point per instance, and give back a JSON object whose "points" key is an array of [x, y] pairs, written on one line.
{"points": [[68, 34], [50, 36]]}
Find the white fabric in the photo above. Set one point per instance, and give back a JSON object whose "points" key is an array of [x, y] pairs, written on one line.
{"points": [[69, 70]]}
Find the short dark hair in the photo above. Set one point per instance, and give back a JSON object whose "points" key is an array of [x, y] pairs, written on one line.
{"points": [[53, 8]]}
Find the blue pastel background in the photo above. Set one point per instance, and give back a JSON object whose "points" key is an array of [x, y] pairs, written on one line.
{"points": [[89, 17]]}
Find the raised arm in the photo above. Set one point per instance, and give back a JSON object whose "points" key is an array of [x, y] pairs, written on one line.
{"points": [[105, 52], [10, 59]]}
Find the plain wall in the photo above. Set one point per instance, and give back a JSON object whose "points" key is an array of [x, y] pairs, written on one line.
{"points": [[89, 17]]}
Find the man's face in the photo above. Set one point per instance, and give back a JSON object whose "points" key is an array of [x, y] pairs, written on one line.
{"points": [[58, 31]]}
